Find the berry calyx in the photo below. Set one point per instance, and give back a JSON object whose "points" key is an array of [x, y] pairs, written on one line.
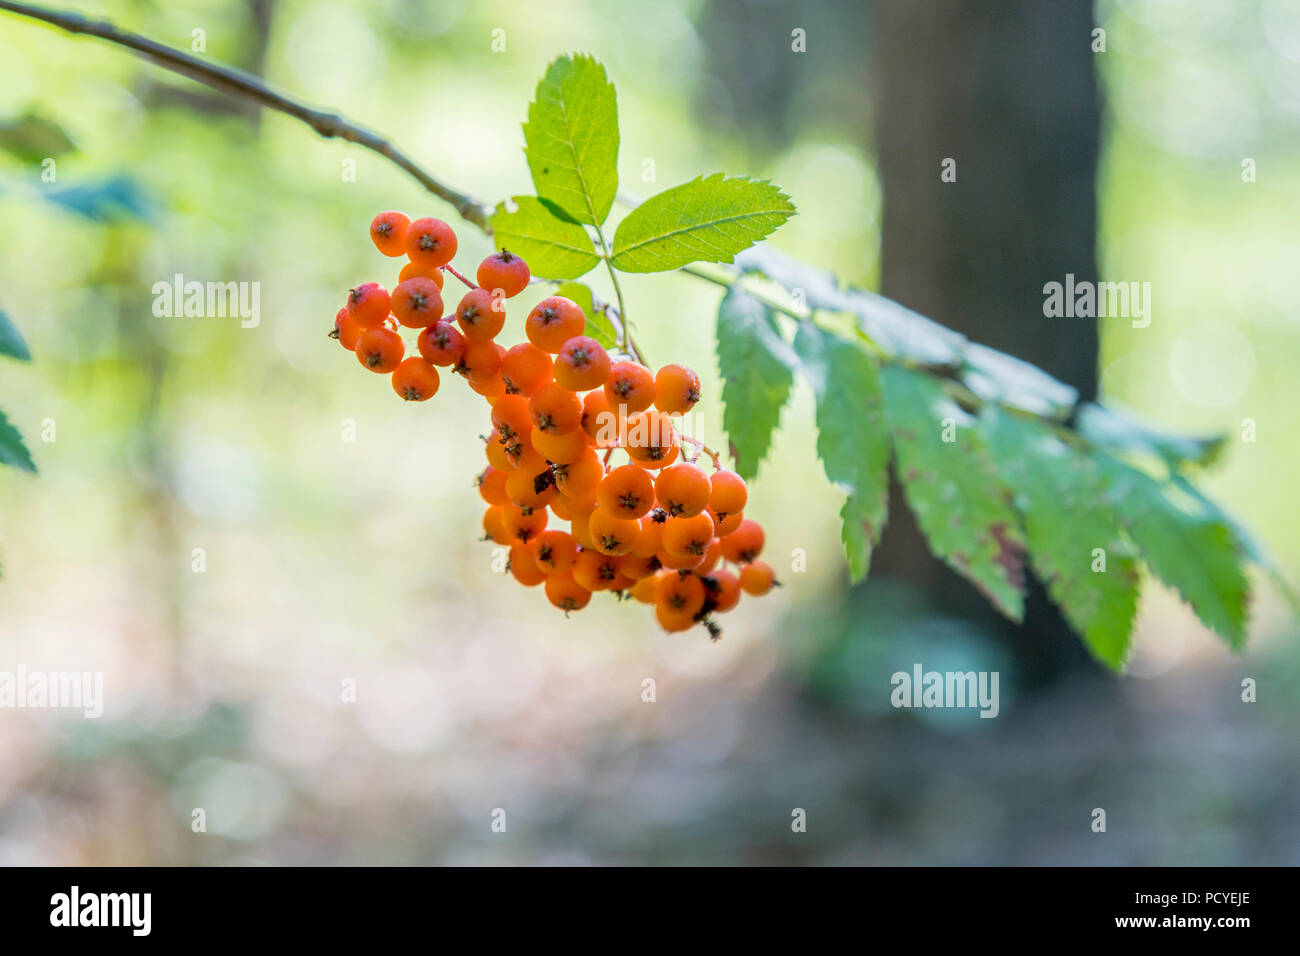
{"points": [[415, 379], [380, 350], [430, 242], [388, 230], [504, 271]]}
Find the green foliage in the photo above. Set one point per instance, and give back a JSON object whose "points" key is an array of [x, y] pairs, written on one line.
{"points": [[553, 248], [757, 366], [12, 450], [852, 440], [709, 219], [32, 138], [598, 325], [11, 340], [572, 139], [117, 199]]}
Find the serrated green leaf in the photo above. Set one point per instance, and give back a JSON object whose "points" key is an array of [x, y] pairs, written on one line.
{"points": [[1061, 495], [757, 366], [1188, 546], [34, 138], [571, 139], [552, 247], [11, 340], [599, 327], [709, 219], [852, 437], [953, 487], [12, 450], [1115, 429]]}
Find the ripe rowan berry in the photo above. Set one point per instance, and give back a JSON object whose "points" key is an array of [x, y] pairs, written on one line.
{"points": [[525, 369], [601, 423], [581, 364], [510, 416], [347, 329], [611, 534], [744, 544], [522, 524], [626, 492], [711, 557], [555, 409], [413, 269], [631, 386], [677, 389], [523, 567], [380, 350], [441, 343], [368, 303], [682, 592], [554, 551], [479, 362], [566, 593], [479, 316], [490, 388], [688, 536], [723, 526], [430, 242], [671, 620], [757, 578], [505, 271], [388, 230], [650, 539], [723, 590], [554, 321], [491, 484], [679, 562], [415, 379], [578, 480], [595, 571], [417, 303], [727, 494], [683, 490], [638, 568], [651, 439], [497, 455], [646, 589], [578, 528], [561, 449], [530, 485], [494, 525]]}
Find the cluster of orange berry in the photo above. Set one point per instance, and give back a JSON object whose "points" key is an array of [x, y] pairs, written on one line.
{"points": [[657, 528]]}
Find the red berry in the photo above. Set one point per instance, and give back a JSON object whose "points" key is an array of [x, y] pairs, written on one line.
{"points": [[505, 271], [368, 303], [430, 242], [388, 230]]}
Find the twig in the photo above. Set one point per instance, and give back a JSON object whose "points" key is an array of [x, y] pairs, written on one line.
{"points": [[448, 268]]}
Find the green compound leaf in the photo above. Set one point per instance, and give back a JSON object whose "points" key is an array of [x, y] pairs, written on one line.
{"points": [[11, 340], [598, 325], [709, 219], [953, 487], [571, 139], [1061, 494], [33, 138], [852, 438], [12, 450], [1189, 546], [553, 248], [757, 366]]}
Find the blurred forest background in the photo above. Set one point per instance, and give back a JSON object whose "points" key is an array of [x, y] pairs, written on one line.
{"points": [[329, 560]]}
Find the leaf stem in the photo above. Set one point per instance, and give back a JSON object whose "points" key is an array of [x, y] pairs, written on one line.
{"points": [[625, 342]]}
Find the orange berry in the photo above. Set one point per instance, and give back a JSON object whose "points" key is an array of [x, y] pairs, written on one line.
{"points": [[479, 362], [415, 379], [651, 439], [554, 321], [490, 388], [645, 589], [684, 537], [677, 389], [505, 271], [724, 526], [578, 480], [494, 525], [523, 484], [430, 242], [649, 541], [599, 421], [492, 485], [611, 534], [522, 524], [683, 490], [480, 316], [711, 557], [417, 303], [555, 409], [554, 551], [682, 593], [745, 543], [388, 230], [525, 369], [679, 562], [566, 593], [637, 568], [413, 269], [724, 590], [562, 449], [380, 350], [630, 386], [368, 303], [626, 492], [510, 416], [523, 567], [595, 571], [581, 364], [671, 620], [347, 329], [561, 508], [441, 343], [757, 578], [727, 493], [496, 453], [578, 528]]}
